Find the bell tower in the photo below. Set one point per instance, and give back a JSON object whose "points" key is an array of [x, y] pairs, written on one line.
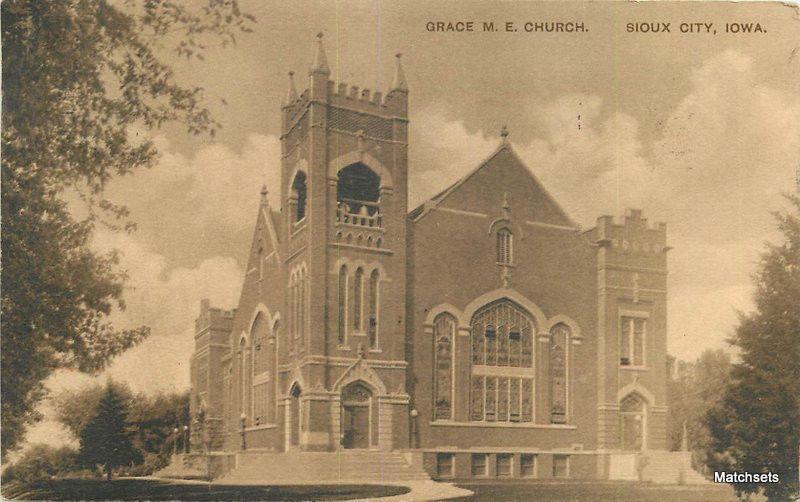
{"points": [[344, 161]]}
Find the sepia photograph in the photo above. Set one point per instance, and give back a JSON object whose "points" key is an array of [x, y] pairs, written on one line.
{"points": [[403, 251]]}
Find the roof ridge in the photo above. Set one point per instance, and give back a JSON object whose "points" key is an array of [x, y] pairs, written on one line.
{"points": [[439, 197]]}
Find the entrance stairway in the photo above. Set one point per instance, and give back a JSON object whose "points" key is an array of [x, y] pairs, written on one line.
{"points": [[360, 466], [655, 466]]}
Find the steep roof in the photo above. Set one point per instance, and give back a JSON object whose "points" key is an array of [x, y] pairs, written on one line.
{"points": [[506, 159]]}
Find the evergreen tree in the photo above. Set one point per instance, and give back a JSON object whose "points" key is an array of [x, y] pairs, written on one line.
{"points": [[756, 426], [106, 440]]}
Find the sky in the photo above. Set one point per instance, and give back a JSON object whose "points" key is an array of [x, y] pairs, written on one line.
{"points": [[700, 131]]}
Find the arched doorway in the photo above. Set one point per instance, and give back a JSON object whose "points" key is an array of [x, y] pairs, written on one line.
{"points": [[294, 416], [356, 416], [632, 422]]}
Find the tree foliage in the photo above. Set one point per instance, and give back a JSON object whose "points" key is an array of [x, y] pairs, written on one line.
{"points": [[40, 462], [756, 426], [106, 438], [152, 419], [693, 388], [78, 77]]}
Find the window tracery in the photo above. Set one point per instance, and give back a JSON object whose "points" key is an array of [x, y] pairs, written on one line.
{"points": [[443, 335]]}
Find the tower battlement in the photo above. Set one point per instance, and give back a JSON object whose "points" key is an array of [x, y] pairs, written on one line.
{"points": [[394, 104], [212, 318], [631, 235]]}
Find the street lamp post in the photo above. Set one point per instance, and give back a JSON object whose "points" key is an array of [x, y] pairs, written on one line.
{"points": [[185, 439], [243, 420], [414, 413], [175, 441]]}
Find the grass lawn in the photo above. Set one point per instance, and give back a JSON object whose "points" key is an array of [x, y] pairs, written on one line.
{"points": [[147, 489], [589, 490]]}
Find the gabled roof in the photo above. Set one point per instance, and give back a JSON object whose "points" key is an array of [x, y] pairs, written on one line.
{"points": [[505, 147]]}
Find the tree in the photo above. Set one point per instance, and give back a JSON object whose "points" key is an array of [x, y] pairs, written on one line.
{"points": [[106, 440], [78, 77], [756, 426], [151, 419], [75, 408], [694, 388], [39, 463]]}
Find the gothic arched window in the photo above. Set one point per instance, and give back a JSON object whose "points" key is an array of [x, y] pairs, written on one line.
{"points": [[501, 389], [372, 317], [293, 321], [259, 333], [444, 330], [260, 260], [358, 300], [302, 303], [342, 299], [243, 377], [262, 367], [559, 373], [299, 193], [505, 246]]}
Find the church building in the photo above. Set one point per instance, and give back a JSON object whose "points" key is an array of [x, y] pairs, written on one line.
{"points": [[483, 332]]}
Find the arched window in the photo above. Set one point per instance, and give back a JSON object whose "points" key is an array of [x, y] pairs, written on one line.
{"points": [[259, 333], [243, 378], [292, 310], [260, 260], [559, 372], [358, 299], [298, 308], [357, 193], [505, 246], [444, 329], [502, 335], [261, 377], [502, 364], [372, 318], [302, 303], [299, 192], [342, 327]]}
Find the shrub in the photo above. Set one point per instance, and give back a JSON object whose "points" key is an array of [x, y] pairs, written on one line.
{"points": [[41, 462]]}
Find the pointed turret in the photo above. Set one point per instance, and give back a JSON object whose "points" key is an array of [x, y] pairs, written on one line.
{"points": [[320, 60], [264, 193], [291, 93], [399, 83]]}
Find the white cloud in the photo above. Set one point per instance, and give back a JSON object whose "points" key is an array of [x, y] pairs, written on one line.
{"points": [[442, 152]]}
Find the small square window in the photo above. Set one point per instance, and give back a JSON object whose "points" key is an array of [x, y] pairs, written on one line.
{"points": [[527, 465], [444, 465], [560, 466], [479, 464], [504, 464], [513, 335]]}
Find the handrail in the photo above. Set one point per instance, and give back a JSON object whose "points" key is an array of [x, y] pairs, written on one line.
{"points": [[364, 214]]}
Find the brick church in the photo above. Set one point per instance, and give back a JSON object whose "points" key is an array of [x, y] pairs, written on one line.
{"points": [[483, 332]]}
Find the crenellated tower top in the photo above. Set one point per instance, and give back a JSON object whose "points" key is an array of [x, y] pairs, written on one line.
{"points": [[392, 105]]}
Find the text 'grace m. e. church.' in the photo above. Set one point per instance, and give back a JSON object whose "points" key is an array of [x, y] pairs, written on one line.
{"points": [[481, 334]]}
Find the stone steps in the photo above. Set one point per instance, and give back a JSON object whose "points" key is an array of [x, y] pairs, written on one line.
{"points": [[314, 467]]}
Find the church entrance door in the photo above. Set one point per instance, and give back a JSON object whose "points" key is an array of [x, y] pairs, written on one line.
{"points": [[356, 411], [356, 428], [632, 423]]}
